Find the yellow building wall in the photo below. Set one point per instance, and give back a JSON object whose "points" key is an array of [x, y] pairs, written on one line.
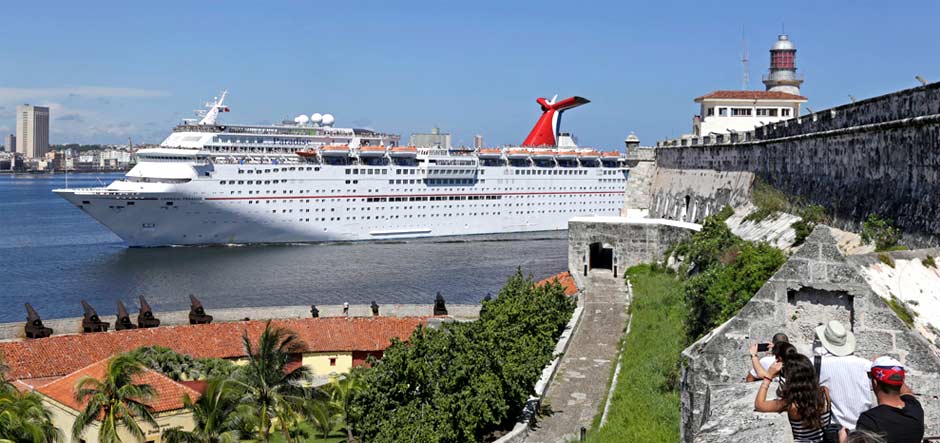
{"points": [[319, 363], [63, 418]]}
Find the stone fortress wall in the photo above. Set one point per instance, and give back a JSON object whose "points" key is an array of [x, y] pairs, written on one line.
{"points": [[880, 155]]}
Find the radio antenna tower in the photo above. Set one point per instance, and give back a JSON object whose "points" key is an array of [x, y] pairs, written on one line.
{"points": [[746, 77]]}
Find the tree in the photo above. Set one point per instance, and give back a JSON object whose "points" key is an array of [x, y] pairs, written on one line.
{"points": [[266, 382], [324, 417], [881, 232], [215, 414], [341, 392], [117, 401], [23, 419]]}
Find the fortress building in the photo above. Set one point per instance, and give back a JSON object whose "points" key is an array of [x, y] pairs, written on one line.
{"points": [[725, 112]]}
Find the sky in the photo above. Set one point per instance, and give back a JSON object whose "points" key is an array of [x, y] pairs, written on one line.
{"points": [[113, 70]]}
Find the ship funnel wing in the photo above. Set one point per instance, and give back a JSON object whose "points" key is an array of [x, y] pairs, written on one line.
{"points": [[545, 131]]}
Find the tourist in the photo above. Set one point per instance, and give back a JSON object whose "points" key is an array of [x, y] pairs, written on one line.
{"points": [[760, 364], [860, 436], [898, 417], [806, 403], [844, 374]]}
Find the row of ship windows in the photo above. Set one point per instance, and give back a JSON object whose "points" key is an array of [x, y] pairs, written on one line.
{"points": [[450, 198], [383, 171], [301, 191]]}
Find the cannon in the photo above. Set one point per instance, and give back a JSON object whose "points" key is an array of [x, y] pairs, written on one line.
{"points": [[197, 314], [34, 326], [91, 322], [145, 318], [375, 308], [440, 308], [123, 318], [314, 312]]}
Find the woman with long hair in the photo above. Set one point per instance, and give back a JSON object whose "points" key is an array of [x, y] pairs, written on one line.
{"points": [[806, 403]]}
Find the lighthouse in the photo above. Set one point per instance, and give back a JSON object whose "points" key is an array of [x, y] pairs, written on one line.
{"points": [[782, 76]]}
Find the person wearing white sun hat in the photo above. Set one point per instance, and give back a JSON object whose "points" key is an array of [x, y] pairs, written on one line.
{"points": [[844, 374]]}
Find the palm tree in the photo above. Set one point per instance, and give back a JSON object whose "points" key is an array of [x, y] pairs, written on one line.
{"points": [[115, 400], [275, 392], [341, 393], [23, 419], [215, 416], [323, 415]]}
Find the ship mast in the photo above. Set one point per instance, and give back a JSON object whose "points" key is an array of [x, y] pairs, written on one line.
{"points": [[214, 108]]}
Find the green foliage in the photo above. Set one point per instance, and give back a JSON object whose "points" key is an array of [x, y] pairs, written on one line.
{"points": [[116, 400], [769, 201], [23, 418], [881, 232], [462, 381], [718, 293], [725, 213], [265, 383], [928, 261], [706, 246], [645, 404], [810, 216], [886, 259], [216, 416], [182, 367], [899, 308]]}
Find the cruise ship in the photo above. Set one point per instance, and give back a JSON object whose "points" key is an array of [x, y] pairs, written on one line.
{"points": [[211, 183]]}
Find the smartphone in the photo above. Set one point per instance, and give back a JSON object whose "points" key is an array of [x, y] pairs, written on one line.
{"points": [[763, 347]]}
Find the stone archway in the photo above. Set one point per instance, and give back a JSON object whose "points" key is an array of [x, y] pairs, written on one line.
{"points": [[601, 256]]}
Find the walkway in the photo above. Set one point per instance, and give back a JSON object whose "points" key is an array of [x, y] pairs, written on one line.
{"points": [[580, 385]]}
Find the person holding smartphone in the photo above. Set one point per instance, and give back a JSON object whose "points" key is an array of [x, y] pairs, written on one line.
{"points": [[761, 364]]}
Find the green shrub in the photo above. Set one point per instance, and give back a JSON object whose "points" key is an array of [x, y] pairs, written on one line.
{"points": [[463, 381], [803, 229], [881, 232], [768, 200], [886, 259], [899, 308], [810, 216], [928, 261], [718, 293], [724, 213]]}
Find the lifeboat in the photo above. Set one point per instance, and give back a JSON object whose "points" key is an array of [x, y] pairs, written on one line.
{"points": [[335, 150], [518, 154], [610, 155], [404, 152], [307, 153], [543, 154], [567, 155], [490, 153], [589, 155], [371, 151]]}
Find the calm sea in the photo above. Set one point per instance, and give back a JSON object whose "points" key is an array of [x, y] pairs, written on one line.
{"points": [[52, 255]]}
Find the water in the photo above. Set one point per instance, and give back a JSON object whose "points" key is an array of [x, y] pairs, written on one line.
{"points": [[52, 255]]}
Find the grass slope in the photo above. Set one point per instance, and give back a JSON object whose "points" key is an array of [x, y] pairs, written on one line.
{"points": [[645, 405]]}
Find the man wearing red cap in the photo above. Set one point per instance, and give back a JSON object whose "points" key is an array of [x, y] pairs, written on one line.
{"points": [[898, 417]]}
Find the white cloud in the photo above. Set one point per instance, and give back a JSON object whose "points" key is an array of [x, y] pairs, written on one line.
{"points": [[8, 95]]}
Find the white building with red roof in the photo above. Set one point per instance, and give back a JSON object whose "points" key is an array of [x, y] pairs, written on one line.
{"points": [[725, 112]]}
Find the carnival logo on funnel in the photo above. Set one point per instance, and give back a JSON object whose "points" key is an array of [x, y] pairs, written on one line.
{"points": [[545, 132]]}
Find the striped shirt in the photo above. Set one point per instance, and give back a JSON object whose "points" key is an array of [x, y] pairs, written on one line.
{"points": [[803, 434], [849, 387]]}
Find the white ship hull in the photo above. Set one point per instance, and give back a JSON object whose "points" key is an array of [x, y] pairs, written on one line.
{"points": [[319, 205]]}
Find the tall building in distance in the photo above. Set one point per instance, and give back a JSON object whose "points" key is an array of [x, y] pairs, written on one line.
{"points": [[436, 139], [32, 130], [783, 76], [477, 141], [9, 143]]}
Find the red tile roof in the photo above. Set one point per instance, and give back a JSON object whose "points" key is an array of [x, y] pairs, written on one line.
{"points": [[168, 394], [566, 281], [59, 355], [750, 95]]}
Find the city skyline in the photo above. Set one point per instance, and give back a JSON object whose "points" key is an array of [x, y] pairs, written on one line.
{"points": [[468, 69]]}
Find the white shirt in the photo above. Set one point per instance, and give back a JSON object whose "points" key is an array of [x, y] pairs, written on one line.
{"points": [[765, 361], [849, 387]]}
